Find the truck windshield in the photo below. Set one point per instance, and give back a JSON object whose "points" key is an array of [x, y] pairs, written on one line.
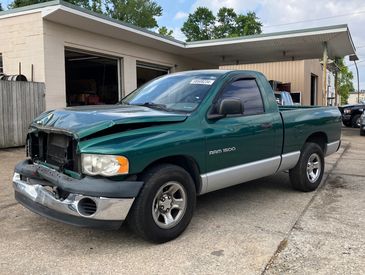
{"points": [[175, 92]]}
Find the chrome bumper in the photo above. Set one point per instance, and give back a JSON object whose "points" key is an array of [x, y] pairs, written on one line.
{"points": [[106, 209]]}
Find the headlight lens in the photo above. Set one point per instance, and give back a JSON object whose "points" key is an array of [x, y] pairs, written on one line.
{"points": [[347, 111], [105, 165]]}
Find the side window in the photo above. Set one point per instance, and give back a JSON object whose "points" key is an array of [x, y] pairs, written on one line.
{"points": [[249, 93]]}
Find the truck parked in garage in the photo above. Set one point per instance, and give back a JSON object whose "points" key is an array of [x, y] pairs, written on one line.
{"points": [[146, 159]]}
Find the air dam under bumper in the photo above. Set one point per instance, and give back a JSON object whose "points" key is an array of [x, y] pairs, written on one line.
{"points": [[76, 209]]}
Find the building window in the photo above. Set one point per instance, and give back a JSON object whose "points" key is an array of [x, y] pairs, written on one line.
{"points": [[1, 63]]}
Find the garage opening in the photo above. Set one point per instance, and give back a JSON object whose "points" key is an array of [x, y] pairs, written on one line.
{"points": [[147, 72], [91, 79]]}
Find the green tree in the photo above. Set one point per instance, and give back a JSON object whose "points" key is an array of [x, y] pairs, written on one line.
{"points": [[1, 8], [165, 31], [200, 25], [22, 3], [344, 81], [81, 3], [203, 25], [248, 24], [141, 13], [226, 19]]}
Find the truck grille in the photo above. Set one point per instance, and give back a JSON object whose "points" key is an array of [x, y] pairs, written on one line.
{"points": [[56, 149]]}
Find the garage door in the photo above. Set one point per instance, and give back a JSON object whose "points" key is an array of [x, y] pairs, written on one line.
{"points": [[91, 79], [147, 72]]}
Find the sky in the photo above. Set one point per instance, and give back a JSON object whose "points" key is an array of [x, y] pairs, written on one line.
{"points": [[279, 15], [282, 15]]}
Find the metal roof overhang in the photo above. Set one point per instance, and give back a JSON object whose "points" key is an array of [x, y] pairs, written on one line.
{"points": [[290, 45]]}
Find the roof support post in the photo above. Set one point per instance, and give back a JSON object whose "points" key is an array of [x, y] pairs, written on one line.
{"points": [[324, 84], [336, 88]]}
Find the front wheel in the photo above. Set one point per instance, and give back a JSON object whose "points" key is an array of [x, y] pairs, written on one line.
{"points": [[307, 174], [165, 205], [356, 121]]}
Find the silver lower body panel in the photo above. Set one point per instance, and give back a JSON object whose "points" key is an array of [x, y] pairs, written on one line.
{"points": [[333, 147]]}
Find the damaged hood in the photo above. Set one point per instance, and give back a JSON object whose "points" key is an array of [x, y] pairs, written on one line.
{"points": [[86, 120]]}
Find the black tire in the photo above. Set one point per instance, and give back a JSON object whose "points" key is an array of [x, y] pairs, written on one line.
{"points": [[362, 132], [355, 121], [299, 176], [141, 219]]}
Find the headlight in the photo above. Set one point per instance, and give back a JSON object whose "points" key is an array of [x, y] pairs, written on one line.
{"points": [[105, 165], [347, 111]]}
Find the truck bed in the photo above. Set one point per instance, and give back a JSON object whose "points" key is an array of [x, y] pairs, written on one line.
{"points": [[300, 121]]}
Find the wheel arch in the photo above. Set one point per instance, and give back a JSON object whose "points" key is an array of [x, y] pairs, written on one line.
{"points": [[319, 138], [186, 162]]}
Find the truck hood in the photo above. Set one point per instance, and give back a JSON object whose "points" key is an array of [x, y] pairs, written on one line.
{"points": [[87, 120]]}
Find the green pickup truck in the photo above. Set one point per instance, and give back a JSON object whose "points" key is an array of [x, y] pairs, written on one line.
{"points": [[147, 158]]}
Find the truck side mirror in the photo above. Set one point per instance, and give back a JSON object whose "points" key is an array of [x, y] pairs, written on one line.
{"points": [[230, 106], [227, 107]]}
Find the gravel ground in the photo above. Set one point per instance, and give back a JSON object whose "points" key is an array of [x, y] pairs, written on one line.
{"points": [[258, 227]]}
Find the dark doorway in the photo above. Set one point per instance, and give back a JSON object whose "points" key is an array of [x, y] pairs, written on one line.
{"points": [[147, 72], [314, 85], [297, 97], [91, 79]]}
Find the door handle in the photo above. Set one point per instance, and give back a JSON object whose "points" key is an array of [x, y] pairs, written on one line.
{"points": [[266, 125]]}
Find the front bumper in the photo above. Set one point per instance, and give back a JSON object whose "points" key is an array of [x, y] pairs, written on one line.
{"points": [[86, 207], [346, 118]]}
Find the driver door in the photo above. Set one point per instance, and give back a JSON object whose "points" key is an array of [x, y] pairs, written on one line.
{"points": [[242, 147]]}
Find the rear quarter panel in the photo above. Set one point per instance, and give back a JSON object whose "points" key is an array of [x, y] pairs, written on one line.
{"points": [[301, 122]]}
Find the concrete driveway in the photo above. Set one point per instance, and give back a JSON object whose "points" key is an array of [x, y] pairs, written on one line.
{"points": [[260, 227]]}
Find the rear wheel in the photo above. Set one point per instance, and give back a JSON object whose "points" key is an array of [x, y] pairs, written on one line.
{"points": [[307, 174], [165, 205], [362, 132], [355, 121]]}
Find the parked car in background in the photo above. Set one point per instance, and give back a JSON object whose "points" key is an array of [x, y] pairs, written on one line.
{"points": [[283, 98], [351, 114], [362, 124]]}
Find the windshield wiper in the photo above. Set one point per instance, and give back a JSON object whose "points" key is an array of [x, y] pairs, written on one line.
{"points": [[153, 106]]}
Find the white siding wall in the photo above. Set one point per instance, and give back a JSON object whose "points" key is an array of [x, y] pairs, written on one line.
{"points": [[298, 73], [31, 40], [58, 36], [21, 40]]}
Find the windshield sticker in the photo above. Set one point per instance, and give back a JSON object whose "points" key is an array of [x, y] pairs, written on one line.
{"points": [[202, 81]]}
